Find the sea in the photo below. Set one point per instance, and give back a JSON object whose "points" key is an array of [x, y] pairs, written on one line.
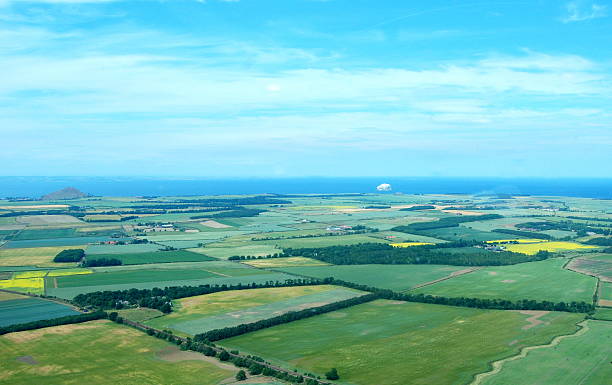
{"points": [[34, 187]]}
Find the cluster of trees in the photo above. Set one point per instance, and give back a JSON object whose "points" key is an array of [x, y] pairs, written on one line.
{"points": [[71, 319], [444, 223], [418, 207], [122, 219], [580, 228], [232, 331], [248, 257], [378, 253], [160, 299], [70, 255], [600, 241], [254, 200], [377, 207], [237, 213], [102, 262], [480, 303], [520, 233], [359, 229]]}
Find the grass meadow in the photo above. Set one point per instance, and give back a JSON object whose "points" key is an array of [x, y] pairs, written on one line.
{"points": [[17, 311], [198, 314], [156, 257], [35, 256], [388, 342], [50, 356], [582, 359], [395, 277], [543, 280]]}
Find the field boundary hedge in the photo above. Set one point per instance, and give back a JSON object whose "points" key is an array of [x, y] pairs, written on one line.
{"points": [[232, 331], [71, 319]]}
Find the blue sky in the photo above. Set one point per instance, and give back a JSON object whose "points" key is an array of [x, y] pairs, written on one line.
{"points": [[306, 88]]}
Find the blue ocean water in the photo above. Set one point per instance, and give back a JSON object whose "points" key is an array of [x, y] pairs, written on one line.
{"points": [[140, 186]]}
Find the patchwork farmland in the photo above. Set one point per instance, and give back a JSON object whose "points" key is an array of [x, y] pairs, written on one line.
{"points": [[385, 289]]}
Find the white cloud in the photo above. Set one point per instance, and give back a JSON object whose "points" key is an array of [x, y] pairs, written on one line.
{"points": [[579, 11], [383, 187]]}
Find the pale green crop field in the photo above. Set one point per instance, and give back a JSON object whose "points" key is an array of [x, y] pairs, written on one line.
{"points": [[395, 277], [198, 314], [583, 359], [94, 352], [388, 342], [323, 241], [543, 280]]}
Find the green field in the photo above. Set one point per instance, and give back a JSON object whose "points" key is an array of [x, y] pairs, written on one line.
{"points": [[598, 267], [462, 233], [136, 276], [35, 256], [52, 242], [605, 292], [395, 277], [140, 314], [44, 234], [123, 249], [198, 314], [388, 342], [17, 311], [543, 280], [323, 241], [603, 313], [95, 352], [582, 359], [260, 277], [155, 257], [219, 250]]}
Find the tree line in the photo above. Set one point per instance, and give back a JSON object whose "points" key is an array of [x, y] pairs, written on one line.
{"points": [[254, 364], [160, 299], [581, 229], [418, 207], [444, 223], [237, 213], [521, 233], [360, 229], [379, 253], [69, 255], [71, 319], [600, 241], [89, 262], [232, 331], [479, 303]]}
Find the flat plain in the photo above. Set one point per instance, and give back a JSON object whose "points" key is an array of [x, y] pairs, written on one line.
{"points": [[590, 352], [543, 280], [198, 314], [395, 277], [127, 356], [387, 342], [381, 342]]}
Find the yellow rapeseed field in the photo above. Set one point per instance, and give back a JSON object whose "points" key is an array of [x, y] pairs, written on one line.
{"points": [[27, 285], [533, 248], [59, 273], [409, 244], [30, 274], [50, 273]]}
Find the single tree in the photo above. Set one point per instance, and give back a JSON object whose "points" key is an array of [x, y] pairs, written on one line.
{"points": [[241, 375], [332, 374]]}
